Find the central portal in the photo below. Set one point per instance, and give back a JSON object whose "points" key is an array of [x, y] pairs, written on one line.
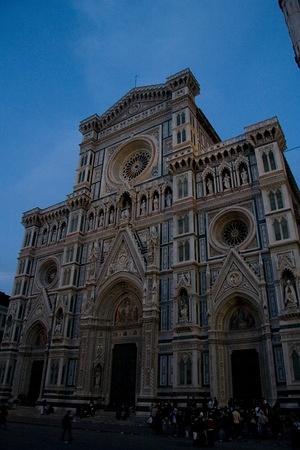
{"points": [[245, 375], [123, 378]]}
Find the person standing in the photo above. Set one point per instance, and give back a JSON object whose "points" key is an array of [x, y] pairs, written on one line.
{"points": [[67, 427]]}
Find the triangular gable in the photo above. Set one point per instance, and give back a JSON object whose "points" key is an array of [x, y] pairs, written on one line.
{"points": [[124, 257], [235, 276], [40, 311]]}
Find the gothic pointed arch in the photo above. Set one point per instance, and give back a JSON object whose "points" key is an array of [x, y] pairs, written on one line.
{"points": [[235, 278], [124, 258]]}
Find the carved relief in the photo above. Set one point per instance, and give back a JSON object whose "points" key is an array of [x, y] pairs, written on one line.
{"points": [[126, 312]]}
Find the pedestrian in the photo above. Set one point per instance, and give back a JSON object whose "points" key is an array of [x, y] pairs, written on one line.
{"points": [[3, 417], [67, 427]]}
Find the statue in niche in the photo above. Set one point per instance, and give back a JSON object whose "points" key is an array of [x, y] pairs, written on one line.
{"points": [[183, 307], [168, 199], [101, 219], [143, 207], [244, 176], [209, 186], [111, 216], [58, 323], [89, 304], [290, 297], [97, 376], [155, 203], [92, 262], [241, 319], [226, 181], [125, 213]]}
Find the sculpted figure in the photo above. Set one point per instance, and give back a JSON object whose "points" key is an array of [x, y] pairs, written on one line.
{"points": [[244, 176], [111, 216], [290, 295], [143, 207], [155, 203], [226, 181], [168, 199], [209, 186], [101, 219]]}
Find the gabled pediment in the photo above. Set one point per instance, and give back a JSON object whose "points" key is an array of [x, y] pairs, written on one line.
{"points": [[39, 311], [234, 277], [124, 257]]}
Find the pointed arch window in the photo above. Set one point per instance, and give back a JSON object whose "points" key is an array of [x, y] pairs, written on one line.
{"points": [[272, 160], [284, 228], [281, 229], [178, 137], [183, 135], [178, 120], [265, 162], [183, 117], [279, 199], [272, 201], [185, 371]]}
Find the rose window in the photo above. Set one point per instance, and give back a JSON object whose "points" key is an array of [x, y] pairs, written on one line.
{"points": [[50, 274], [235, 232], [135, 165]]}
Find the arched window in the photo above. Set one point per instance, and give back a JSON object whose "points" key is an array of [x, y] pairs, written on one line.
{"points": [[178, 137], [185, 187], [183, 117], [185, 370], [183, 135], [272, 201], [265, 162], [296, 365], [180, 188], [178, 120], [277, 230], [279, 199], [284, 228], [272, 160], [34, 239], [281, 229], [187, 250]]}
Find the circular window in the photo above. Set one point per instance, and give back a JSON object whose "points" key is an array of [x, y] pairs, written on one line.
{"points": [[132, 162], [135, 165], [48, 273], [235, 232], [231, 228]]}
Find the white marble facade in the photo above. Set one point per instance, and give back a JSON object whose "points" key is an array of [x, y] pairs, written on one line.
{"points": [[175, 247]]}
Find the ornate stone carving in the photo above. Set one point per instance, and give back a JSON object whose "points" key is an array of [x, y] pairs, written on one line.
{"points": [[234, 278], [122, 263], [184, 279], [126, 312], [285, 260]]}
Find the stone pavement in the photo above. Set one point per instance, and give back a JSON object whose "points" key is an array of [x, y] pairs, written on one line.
{"points": [[28, 430], [21, 436]]}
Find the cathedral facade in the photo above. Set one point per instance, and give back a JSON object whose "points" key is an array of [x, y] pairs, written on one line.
{"points": [[170, 272]]}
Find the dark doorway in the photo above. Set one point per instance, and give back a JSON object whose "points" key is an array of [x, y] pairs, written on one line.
{"points": [[35, 381], [245, 375], [123, 376]]}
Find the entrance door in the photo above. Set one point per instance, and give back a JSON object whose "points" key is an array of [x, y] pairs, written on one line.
{"points": [[35, 381], [123, 376], [245, 375]]}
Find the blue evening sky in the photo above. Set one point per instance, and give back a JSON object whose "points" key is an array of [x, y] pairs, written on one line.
{"points": [[63, 60]]}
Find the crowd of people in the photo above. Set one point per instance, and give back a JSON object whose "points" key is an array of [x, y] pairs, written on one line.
{"points": [[210, 423]]}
